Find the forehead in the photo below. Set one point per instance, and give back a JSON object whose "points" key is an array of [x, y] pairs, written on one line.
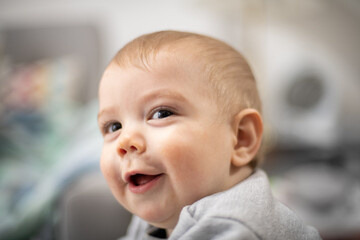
{"points": [[166, 76], [128, 87], [166, 66]]}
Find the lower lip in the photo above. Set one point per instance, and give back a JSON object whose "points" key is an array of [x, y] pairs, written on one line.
{"points": [[145, 187]]}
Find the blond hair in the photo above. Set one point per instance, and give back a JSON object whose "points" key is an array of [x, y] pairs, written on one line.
{"points": [[226, 70]]}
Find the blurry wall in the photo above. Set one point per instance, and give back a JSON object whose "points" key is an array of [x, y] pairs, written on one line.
{"points": [[320, 38]]}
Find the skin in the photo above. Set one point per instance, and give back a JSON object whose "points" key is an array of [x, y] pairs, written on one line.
{"points": [[164, 122]]}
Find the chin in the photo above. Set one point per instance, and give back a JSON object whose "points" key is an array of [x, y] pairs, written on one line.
{"points": [[159, 220]]}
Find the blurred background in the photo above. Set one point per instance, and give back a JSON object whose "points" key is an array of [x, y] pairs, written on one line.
{"points": [[305, 55]]}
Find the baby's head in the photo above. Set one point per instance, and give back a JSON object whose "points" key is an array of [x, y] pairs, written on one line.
{"points": [[180, 116], [230, 78]]}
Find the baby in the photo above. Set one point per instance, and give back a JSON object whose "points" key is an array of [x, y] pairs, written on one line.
{"points": [[181, 120]]}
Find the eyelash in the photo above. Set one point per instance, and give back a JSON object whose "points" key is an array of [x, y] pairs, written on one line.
{"points": [[107, 125], [158, 110]]}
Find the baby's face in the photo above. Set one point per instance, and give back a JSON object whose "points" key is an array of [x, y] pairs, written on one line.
{"points": [[165, 145]]}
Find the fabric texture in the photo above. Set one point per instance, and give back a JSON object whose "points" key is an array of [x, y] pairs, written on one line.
{"points": [[246, 211]]}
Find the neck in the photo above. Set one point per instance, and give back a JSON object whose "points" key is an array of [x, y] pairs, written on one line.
{"points": [[168, 232], [238, 174]]}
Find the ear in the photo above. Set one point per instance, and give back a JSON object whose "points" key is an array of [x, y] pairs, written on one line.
{"points": [[248, 128]]}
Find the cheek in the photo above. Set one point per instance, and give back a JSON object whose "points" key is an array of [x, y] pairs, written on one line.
{"points": [[111, 172], [105, 163], [108, 168], [197, 160], [186, 154], [182, 144]]}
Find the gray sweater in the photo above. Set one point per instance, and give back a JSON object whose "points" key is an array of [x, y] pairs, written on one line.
{"points": [[246, 211]]}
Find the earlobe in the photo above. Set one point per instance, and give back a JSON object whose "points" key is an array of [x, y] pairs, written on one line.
{"points": [[248, 128]]}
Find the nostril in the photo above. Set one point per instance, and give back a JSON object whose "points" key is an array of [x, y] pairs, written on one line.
{"points": [[122, 151], [133, 148]]}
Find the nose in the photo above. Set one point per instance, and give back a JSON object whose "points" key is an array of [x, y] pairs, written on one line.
{"points": [[130, 142]]}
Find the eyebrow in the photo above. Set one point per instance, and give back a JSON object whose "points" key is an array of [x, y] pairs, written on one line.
{"points": [[164, 93], [103, 112], [161, 93]]}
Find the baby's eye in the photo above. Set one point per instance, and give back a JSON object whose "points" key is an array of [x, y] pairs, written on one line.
{"points": [[162, 113], [112, 127]]}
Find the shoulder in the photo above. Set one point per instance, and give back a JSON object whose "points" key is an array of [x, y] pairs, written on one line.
{"points": [[222, 215], [136, 229], [247, 197], [215, 228], [247, 208]]}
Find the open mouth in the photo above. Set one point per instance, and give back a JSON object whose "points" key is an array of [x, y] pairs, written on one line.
{"points": [[139, 183], [142, 179]]}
